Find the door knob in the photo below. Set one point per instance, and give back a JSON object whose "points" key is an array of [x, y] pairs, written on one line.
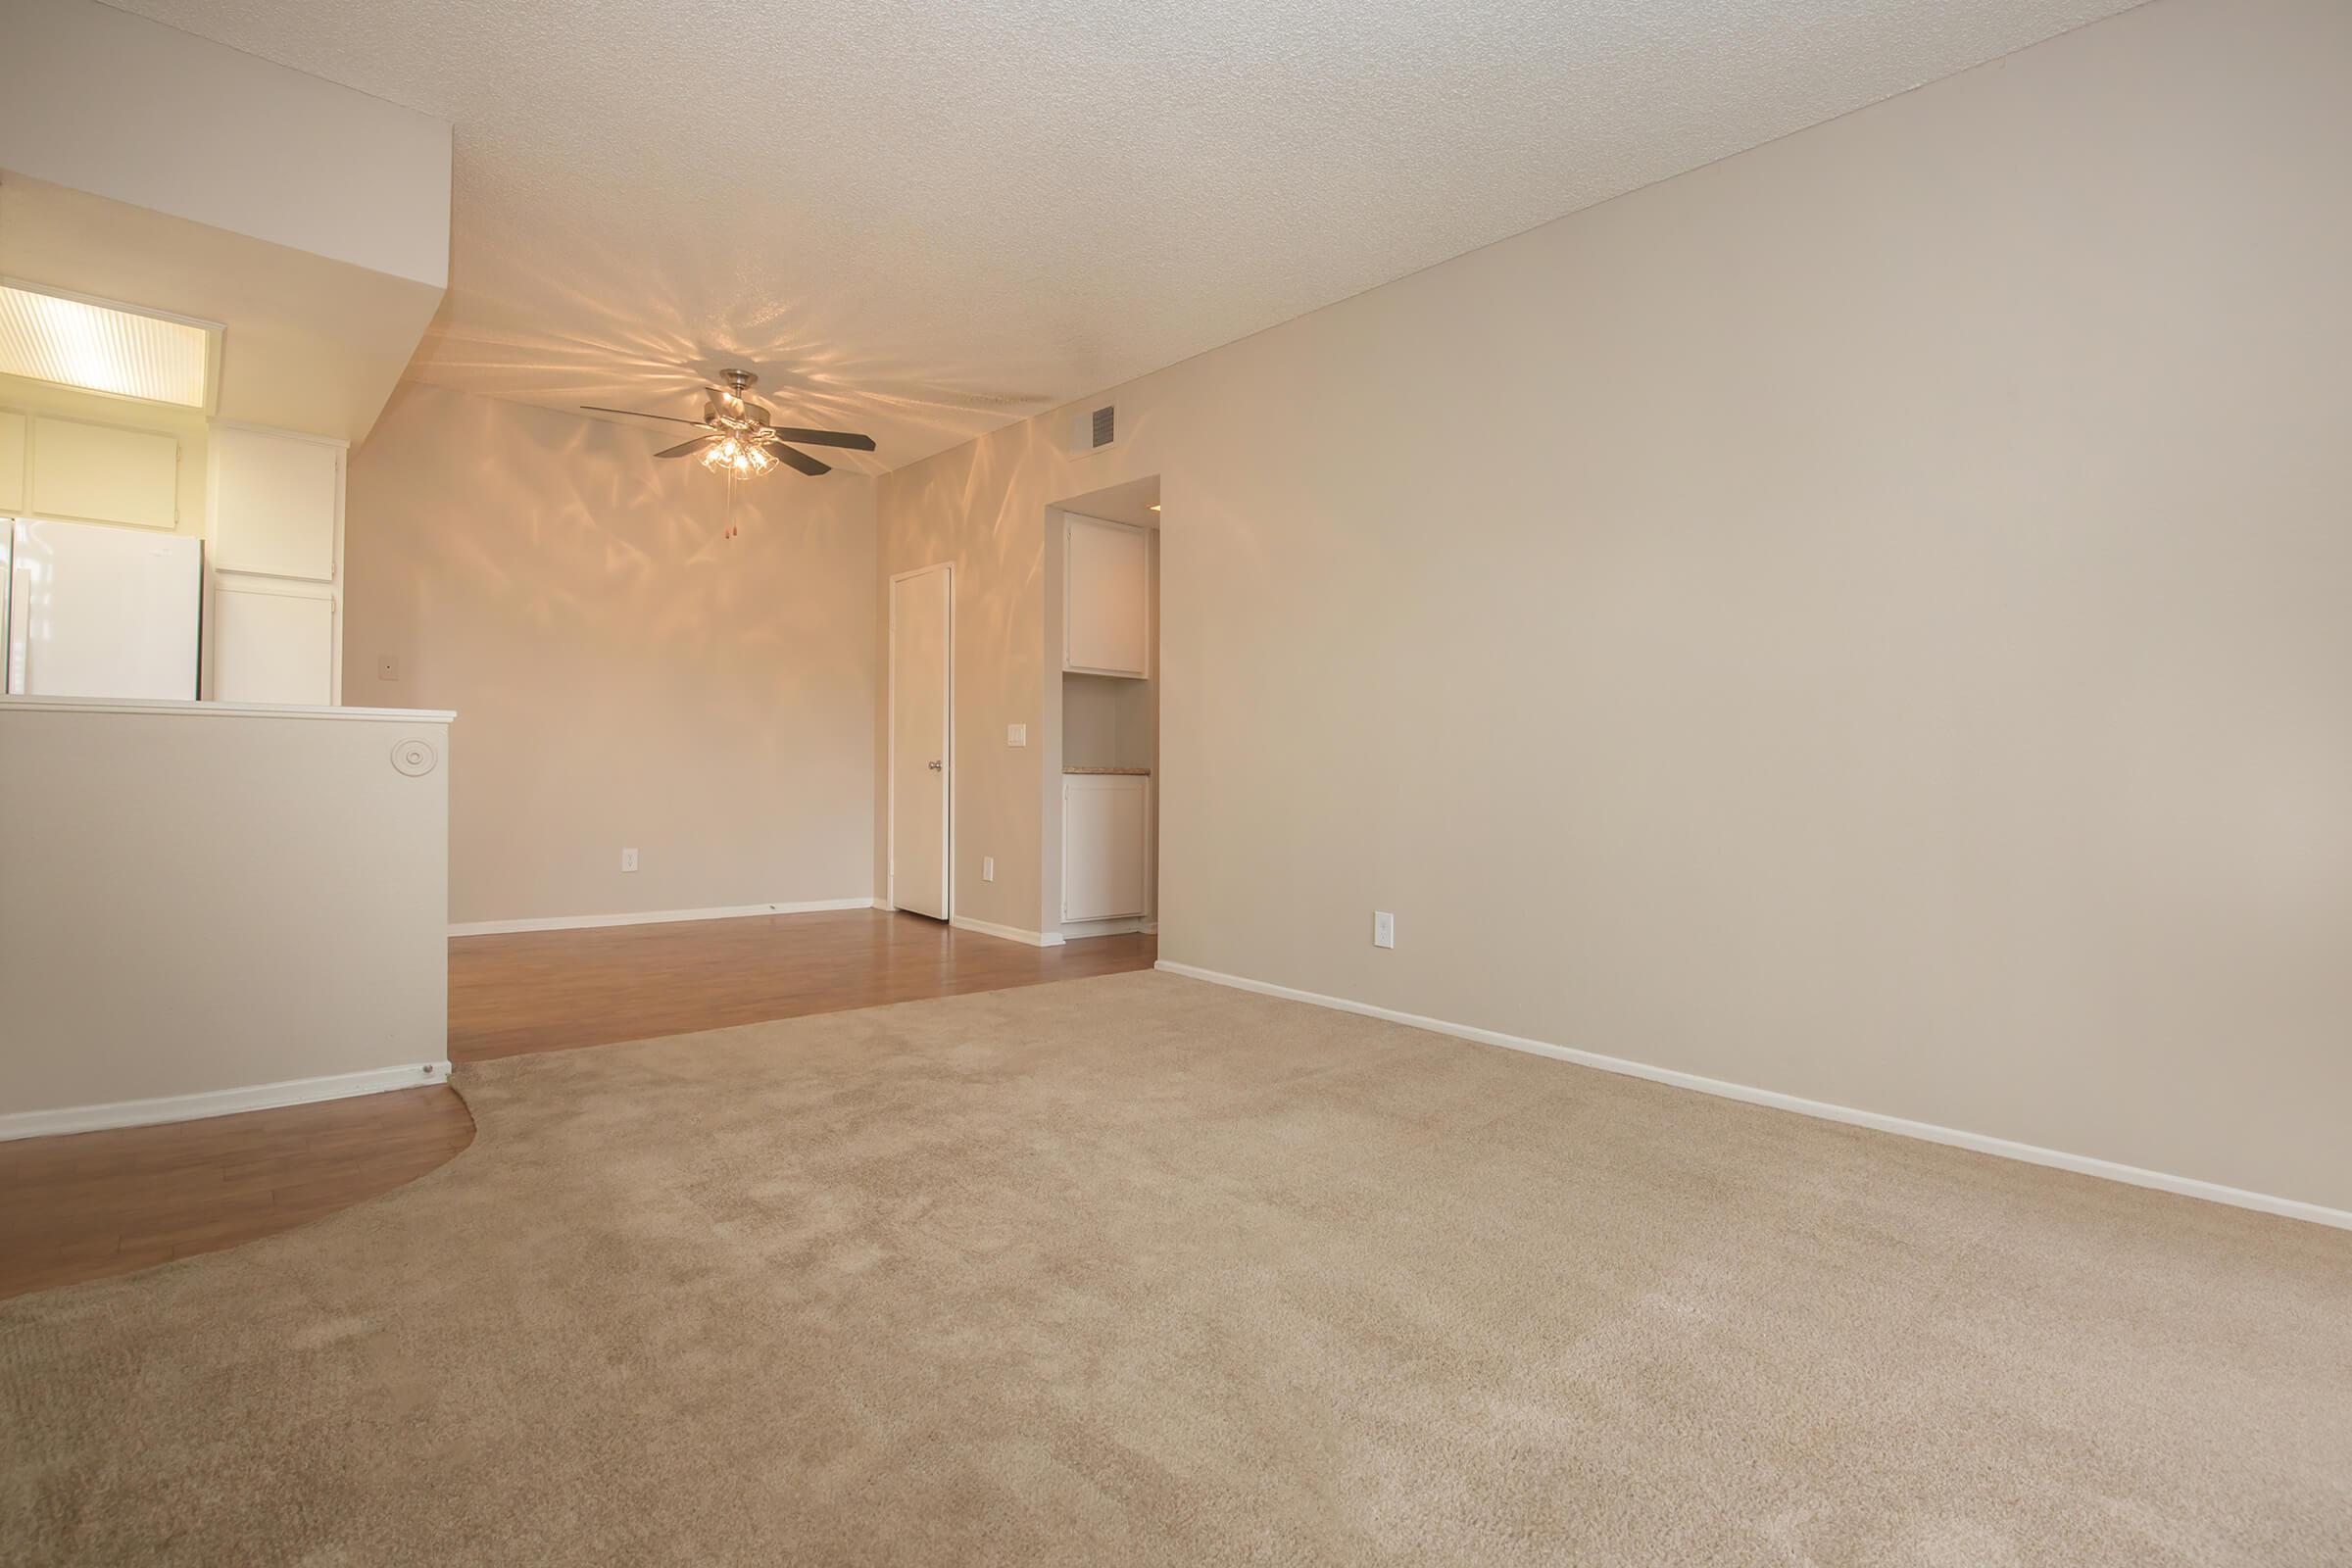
{"points": [[935, 767]]}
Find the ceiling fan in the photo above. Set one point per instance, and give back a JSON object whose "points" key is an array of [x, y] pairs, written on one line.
{"points": [[738, 441]]}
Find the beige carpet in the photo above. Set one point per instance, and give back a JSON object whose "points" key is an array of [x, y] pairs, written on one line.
{"points": [[1140, 1270]]}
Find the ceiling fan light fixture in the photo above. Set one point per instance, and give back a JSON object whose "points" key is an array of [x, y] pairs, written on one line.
{"points": [[738, 454], [737, 440]]}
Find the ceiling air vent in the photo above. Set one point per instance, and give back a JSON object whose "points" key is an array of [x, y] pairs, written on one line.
{"points": [[1092, 431]]}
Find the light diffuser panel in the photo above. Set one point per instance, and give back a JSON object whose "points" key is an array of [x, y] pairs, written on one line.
{"points": [[102, 348]]}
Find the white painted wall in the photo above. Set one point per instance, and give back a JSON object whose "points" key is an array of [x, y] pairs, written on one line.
{"points": [[129, 108], [215, 907]]}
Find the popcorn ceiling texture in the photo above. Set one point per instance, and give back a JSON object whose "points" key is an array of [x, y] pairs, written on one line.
{"points": [[925, 218]]}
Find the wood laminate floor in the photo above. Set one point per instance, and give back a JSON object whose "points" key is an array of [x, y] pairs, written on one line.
{"points": [[94, 1203], [550, 990]]}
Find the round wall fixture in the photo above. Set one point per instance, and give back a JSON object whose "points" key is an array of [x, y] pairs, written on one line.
{"points": [[415, 758]]}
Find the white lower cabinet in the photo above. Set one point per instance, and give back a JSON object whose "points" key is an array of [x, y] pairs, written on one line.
{"points": [[1105, 827], [270, 647]]}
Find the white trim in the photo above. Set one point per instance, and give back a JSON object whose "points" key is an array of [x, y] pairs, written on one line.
{"points": [[1118, 925], [213, 709], [218, 1101], [890, 742], [988, 928], [577, 922], [262, 582], [340, 443], [1979, 1142]]}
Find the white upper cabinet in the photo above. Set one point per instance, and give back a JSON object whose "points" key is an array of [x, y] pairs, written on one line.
{"points": [[103, 473], [11, 463], [1107, 608], [274, 502]]}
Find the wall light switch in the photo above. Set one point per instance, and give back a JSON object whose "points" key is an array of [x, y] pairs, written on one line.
{"points": [[988, 868], [1384, 929], [628, 860], [386, 667], [1016, 734]]}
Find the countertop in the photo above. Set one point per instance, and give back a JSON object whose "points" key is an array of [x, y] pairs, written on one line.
{"points": [[1121, 772], [211, 710]]}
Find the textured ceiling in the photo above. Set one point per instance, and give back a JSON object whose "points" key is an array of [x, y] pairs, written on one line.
{"points": [[924, 218]]}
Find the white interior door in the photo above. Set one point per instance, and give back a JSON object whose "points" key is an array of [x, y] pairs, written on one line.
{"points": [[921, 763]]}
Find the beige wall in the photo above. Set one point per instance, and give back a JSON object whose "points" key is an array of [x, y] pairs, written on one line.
{"points": [[195, 900], [976, 507], [622, 675], [1864, 619], [1105, 721]]}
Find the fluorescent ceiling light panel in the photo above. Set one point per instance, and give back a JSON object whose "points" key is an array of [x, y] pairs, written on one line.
{"points": [[102, 347]]}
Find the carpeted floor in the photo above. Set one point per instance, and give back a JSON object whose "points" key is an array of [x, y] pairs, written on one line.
{"points": [[1139, 1270]]}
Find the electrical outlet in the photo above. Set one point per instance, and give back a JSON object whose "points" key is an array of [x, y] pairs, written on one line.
{"points": [[1016, 734], [988, 868], [628, 860], [1384, 929], [386, 667]]}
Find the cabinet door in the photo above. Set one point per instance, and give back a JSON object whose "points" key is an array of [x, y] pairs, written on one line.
{"points": [[273, 504], [1107, 607], [98, 473], [11, 463], [272, 647], [1103, 848]]}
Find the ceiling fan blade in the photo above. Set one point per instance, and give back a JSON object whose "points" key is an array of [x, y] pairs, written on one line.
{"points": [[826, 438], [799, 460], [685, 448], [639, 414]]}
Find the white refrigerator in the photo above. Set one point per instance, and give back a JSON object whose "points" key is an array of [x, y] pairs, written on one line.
{"points": [[99, 612]]}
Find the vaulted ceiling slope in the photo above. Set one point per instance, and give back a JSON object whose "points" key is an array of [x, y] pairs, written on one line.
{"points": [[926, 218]]}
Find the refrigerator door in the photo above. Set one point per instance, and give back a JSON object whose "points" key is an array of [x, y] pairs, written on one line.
{"points": [[98, 612]]}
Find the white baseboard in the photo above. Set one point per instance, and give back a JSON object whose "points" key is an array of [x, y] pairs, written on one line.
{"points": [[1080, 930], [1035, 938], [218, 1101], [577, 922], [1980, 1143]]}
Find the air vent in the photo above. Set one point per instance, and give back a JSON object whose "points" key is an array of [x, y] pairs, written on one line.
{"points": [[1095, 430]]}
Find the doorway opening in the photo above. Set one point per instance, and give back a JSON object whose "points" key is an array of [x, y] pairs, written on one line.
{"points": [[1104, 807]]}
